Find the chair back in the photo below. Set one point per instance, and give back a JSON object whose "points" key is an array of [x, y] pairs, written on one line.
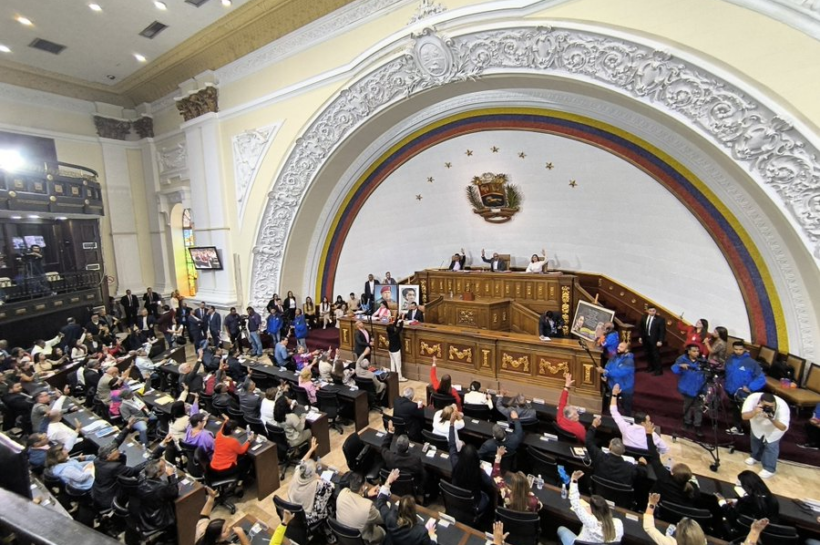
{"points": [[328, 403], [220, 409], [298, 528], [277, 435], [767, 354], [191, 466], [206, 401], [473, 410], [524, 527], [674, 512], [459, 503], [365, 384], [545, 465], [237, 414], [263, 381], [437, 441], [563, 434], [344, 534], [440, 401], [399, 425], [621, 495], [257, 426], [402, 486], [773, 534], [301, 395]]}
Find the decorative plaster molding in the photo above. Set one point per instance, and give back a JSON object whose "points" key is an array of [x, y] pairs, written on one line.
{"points": [[248, 150], [173, 159], [115, 129], [144, 127], [42, 99], [201, 102], [802, 15], [426, 10], [778, 156]]}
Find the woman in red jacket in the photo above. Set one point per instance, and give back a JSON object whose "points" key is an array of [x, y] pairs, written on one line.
{"points": [[445, 386], [696, 334], [230, 456]]}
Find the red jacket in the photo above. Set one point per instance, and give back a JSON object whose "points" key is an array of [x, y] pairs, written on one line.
{"points": [[575, 428], [226, 451], [434, 383]]}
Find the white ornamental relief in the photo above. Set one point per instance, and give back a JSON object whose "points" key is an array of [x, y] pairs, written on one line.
{"points": [[772, 150], [249, 149], [173, 158]]}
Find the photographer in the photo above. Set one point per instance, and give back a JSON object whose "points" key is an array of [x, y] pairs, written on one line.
{"points": [[768, 416]]}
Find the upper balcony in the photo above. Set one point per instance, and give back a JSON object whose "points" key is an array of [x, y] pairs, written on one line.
{"points": [[50, 187]]}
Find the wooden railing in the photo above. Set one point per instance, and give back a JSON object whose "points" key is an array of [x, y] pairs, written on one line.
{"points": [[431, 310], [627, 330], [523, 320]]}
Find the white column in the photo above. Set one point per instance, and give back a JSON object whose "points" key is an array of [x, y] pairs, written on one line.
{"points": [[209, 202], [121, 213], [164, 279]]}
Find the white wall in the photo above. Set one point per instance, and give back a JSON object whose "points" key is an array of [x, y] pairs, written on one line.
{"points": [[598, 226]]}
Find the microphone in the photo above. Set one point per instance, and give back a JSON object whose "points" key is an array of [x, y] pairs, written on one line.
{"points": [[442, 264]]}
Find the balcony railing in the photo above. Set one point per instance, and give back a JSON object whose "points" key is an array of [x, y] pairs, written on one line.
{"points": [[49, 285], [59, 187]]}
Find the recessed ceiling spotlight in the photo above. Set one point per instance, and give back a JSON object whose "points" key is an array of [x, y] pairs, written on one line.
{"points": [[227, 3], [95, 7], [24, 21], [160, 5], [111, 77], [62, 218], [139, 57], [33, 216], [17, 217], [4, 49]]}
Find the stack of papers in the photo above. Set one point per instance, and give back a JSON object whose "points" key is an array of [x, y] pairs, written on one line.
{"points": [[164, 400]]}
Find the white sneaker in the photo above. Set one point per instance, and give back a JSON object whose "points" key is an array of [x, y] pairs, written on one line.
{"points": [[750, 461], [765, 474]]}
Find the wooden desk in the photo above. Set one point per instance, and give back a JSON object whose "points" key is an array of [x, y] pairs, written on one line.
{"points": [[484, 313], [515, 361]]}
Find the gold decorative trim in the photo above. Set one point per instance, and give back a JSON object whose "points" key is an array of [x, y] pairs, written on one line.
{"points": [[565, 308], [485, 358], [463, 355], [345, 336], [509, 361], [430, 349], [545, 365], [587, 373], [383, 342]]}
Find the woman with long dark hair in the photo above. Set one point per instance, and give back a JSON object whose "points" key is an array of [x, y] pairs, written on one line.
{"points": [[216, 531], [401, 520], [696, 334], [758, 503], [517, 495], [718, 345], [324, 312], [445, 386], [467, 472], [677, 485], [598, 524], [309, 309], [293, 424]]}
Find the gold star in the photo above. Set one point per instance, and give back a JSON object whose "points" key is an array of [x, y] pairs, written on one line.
{"points": [[448, 165], [573, 183], [494, 149], [418, 197], [430, 179], [469, 153], [522, 154], [550, 166]]}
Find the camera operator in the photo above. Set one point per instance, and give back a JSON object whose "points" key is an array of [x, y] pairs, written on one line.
{"points": [[692, 376], [768, 416]]}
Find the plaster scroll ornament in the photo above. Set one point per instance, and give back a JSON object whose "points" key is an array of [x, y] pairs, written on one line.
{"points": [[248, 150], [173, 158], [426, 9]]}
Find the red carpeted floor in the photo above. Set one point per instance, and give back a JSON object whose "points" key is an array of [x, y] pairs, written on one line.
{"points": [[659, 397]]}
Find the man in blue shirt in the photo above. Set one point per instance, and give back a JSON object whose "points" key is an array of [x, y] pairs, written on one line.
{"points": [[254, 323], [813, 431], [690, 384], [281, 354], [620, 369], [743, 377]]}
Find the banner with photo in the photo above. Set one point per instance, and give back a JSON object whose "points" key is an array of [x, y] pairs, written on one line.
{"points": [[589, 320], [408, 293]]}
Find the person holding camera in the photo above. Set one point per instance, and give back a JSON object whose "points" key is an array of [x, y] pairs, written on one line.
{"points": [[768, 416]]}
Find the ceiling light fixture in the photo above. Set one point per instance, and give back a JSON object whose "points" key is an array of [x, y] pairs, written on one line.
{"points": [[17, 217], [11, 160], [4, 49], [160, 5], [139, 57], [24, 21], [95, 7], [62, 218], [33, 216], [227, 3]]}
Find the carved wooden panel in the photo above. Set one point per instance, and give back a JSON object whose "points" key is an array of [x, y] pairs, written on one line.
{"points": [[382, 341], [549, 367], [460, 353], [515, 362], [429, 349]]}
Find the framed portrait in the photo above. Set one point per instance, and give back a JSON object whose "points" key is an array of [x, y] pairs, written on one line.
{"points": [[408, 294], [589, 320], [389, 293]]}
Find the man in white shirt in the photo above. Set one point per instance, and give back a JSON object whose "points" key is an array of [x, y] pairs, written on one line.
{"points": [[634, 434], [45, 346], [58, 432], [768, 416], [476, 397], [146, 366]]}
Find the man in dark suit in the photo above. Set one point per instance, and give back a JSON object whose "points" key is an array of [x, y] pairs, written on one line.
{"points": [[369, 296], [214, 326], [457, 261], [412, 412], [496, 263], [652, 337], [612, 466], [151, 301], [361, 339], [399, 457], [72, 332], [145, 325], [198, 325], [414, 313], [131, 307]]}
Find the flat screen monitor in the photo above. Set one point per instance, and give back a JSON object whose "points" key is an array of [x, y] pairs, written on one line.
{"points": [[205, 258], [35, 240], [18, 243], [15, 474]]}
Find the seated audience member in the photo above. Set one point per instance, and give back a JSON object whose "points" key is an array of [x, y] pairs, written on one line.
{"points": [[399, 457], [230, 456], [758, 502], [326, 366], [59, 433], [132, 409], [551, 325], [223, 398], [457, 261], [281, 355], [612, 466], [813, 431], [634, 434], [249, 401], [537, 265], [412, 412], [266, 407], [180, 417], [599, 526], [75, 472], [568, 417], [197, 435], [413, 314], [518, 494], [401, 521], [383, 311], [189, 377], [363, 371], [217, 531], [37, 447], [500, 439], [46, 347], [475, 396], [518, 404], [743, 377], [111, 381], [152, 503], [293, 424], [442, 420], [147, 368], [309, 490], [338, 374], [466, 470], [359, 513], [676, 486], [18, 406], [302, 358], [445, 386], [306, 382], [44, 365], [79, 350], [110, 464]]}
